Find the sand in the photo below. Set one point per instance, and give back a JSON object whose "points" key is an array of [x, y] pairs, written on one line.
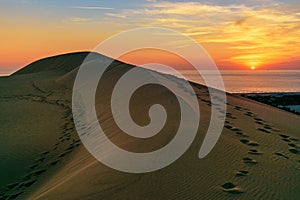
{"points": [[256, 157]]}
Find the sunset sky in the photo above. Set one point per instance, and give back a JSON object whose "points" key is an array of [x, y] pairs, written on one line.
{"points": [[237, 34]]}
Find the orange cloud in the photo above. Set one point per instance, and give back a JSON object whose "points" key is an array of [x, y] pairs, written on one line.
{"points": [[144, 56], [235, 35]]}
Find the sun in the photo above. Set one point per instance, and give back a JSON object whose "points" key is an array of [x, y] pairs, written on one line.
{"points": [[253, 64]]}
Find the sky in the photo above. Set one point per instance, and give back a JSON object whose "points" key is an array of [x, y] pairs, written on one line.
{"points": [[237, 34]]}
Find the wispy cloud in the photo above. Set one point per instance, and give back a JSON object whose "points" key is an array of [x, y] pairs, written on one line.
{"points": [[79, 19], [92, 7], [248, 34], [116, 15]]}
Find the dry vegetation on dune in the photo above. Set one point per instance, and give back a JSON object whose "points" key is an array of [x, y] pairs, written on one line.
{"points": [[256, 157]]}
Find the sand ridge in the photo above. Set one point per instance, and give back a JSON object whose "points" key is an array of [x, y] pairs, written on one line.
{"points": [[257, 156]]}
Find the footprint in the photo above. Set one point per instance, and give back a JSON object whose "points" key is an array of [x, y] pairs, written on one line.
{"points": [[235, 129], [232, 128], [286, 140], [33, 166], [28, 183], [230, 116], [250, 114], [254, 152], [293, 145], [241, 133], [231, 188], [244, 141], [14, 196], [242, 173], [228, 127], [39, 172], [253, 144], [268, 127], [41, 159], [260, 123], [65, 153], [237, 108], [248, 160], [294, 151], [206, 101], [221, 110], [263, 130], [240, 108], [67, 134], [249, 143], [282, 155], [284, 136], [294, 139], [45, 153], [54, 162], [71, 147], [12, 186], [34, 173]]}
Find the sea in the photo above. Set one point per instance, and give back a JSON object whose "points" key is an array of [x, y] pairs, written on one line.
{"points": [[252, 81], [248, 81]]}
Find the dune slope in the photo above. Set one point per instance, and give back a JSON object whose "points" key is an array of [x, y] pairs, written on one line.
{"points": [[256, 157]]}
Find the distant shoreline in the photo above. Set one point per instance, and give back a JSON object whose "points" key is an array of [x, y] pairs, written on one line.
{"points": [[267, 93], [288, 101]]}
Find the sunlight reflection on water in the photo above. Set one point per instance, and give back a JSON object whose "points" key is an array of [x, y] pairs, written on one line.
{"points": [[254, 81]]}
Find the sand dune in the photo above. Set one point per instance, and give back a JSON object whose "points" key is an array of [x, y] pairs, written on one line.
{"points": [[256, 157]]}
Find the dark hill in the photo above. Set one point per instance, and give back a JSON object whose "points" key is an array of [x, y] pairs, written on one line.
{"points": [[64, 63]]}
